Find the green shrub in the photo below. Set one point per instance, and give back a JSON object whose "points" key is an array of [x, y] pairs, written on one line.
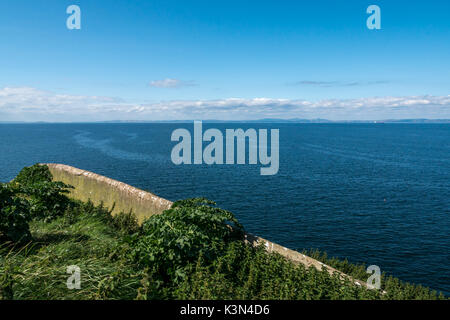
{"points": [[14, 216], [47, 198], [171, 241], [34, 174]]}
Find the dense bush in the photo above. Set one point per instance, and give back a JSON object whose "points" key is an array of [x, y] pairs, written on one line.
{"points": [[171, 241], [47, 198], [14, 216], [34, 174], [32, 194]]}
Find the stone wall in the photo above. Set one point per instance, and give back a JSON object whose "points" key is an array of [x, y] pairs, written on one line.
{"points": [[97, 188]]}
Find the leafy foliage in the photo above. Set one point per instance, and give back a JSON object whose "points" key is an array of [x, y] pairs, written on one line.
{"points": [[47, 198], [14, 216], [34, 174], [394, 288], [30, 195], [172, 240], [249, 273]]}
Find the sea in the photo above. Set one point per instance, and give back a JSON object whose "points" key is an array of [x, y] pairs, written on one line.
{"points": [[372, 193]]}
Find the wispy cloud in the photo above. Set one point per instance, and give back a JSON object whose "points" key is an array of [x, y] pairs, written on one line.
{"points": [[171, 83], [33, 104], [328, 84]]}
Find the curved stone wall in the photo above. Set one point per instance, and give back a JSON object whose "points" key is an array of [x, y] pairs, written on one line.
{"points": [[113, 193]]}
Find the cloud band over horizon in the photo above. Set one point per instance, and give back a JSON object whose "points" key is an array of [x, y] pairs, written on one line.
{"points": [[32, 104]]}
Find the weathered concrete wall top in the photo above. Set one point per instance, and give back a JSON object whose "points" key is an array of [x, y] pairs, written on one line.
{"points": [[113, 193], [98, 189]]}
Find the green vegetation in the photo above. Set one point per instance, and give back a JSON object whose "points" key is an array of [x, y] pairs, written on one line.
{"points": [[394, 288], [192, 251], [14, 216]]}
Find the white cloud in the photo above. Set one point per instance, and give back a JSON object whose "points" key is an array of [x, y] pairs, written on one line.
{"points": [[25, 103], [171, 83], [329, 84], [32, 104]]}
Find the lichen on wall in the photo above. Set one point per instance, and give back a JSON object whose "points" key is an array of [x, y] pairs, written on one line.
{"points": [[113, 194]]}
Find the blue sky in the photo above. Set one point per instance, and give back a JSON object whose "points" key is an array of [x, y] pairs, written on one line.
{"points": [[223, 59]]}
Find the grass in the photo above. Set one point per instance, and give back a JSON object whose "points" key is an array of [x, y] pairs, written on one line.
{"points": [[39, 269]]}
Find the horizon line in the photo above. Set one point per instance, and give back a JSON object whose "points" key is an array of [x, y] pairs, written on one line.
{"points": [[262, 120]]}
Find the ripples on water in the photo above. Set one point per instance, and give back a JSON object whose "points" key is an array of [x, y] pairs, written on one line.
{"points": [[378, 194]]}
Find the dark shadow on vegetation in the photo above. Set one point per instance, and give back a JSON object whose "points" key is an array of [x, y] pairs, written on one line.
{"points": [[55, 238]]}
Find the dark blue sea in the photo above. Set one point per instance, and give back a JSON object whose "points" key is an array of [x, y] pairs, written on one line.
{"points": [[373, 193]]}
